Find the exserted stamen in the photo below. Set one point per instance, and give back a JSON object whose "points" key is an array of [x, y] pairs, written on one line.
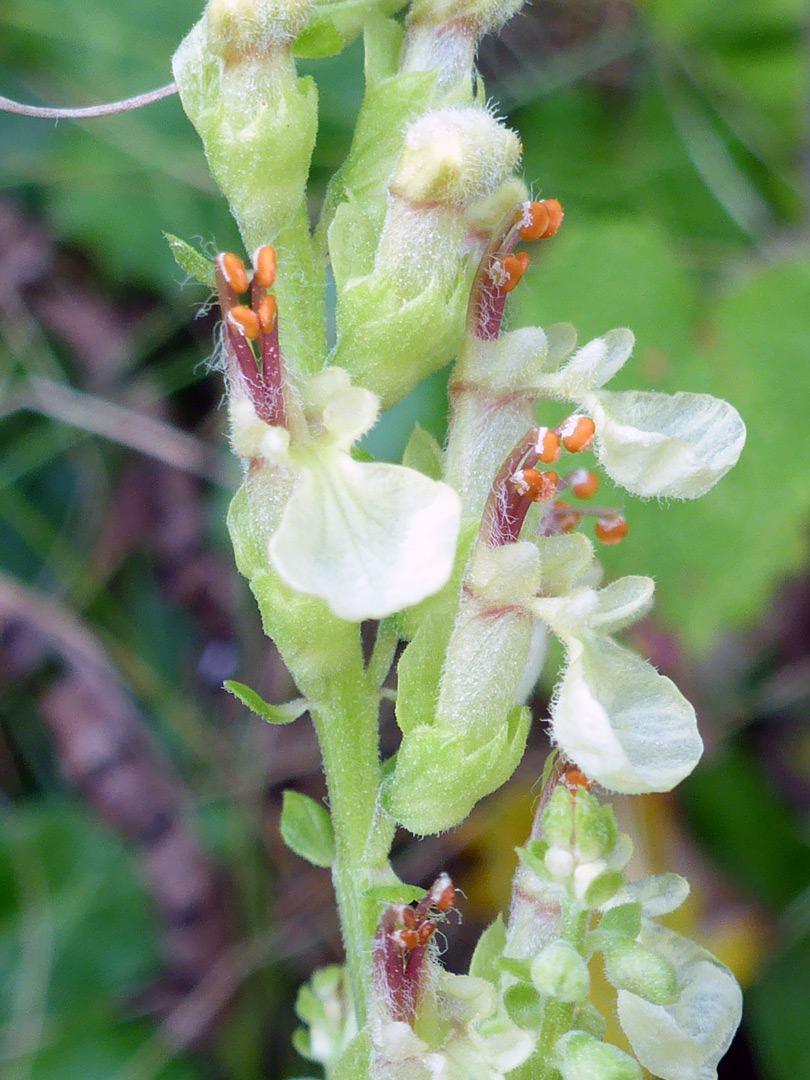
{"points": [[401, 954], [500, 271], [510, 499], [262, 375]]}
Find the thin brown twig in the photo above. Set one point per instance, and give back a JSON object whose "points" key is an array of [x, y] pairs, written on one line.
{"points": [[110, 108]]}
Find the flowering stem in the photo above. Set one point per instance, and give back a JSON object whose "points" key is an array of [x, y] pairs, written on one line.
{"points": [[346, 723]]}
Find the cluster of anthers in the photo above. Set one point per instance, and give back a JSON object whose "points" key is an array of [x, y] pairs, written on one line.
{"points": [[401, 946], [502, 268], [252, 328], [520, 484]]}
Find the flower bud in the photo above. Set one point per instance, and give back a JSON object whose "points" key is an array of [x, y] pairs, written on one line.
{"points": [[581, 1057], [632, 966], [455, 157], [237, 28], [595, 827], [558, 818], [561, 972]]}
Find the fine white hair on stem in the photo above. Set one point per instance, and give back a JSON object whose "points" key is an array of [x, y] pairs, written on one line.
{"points": [[110, 108]]}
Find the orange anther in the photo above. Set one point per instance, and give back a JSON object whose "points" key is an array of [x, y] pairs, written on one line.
{"points": [[577, 433], [555, 216], [584, 484], [246, 320], [268, 310], [523, 260], [442, 893], [574, 779], [537, 221], [548, 445], [426, 931], [408, 917], [514, 267], [538, 486], [235, 273], [406, 939], [264, 266], [565, 517], [612, 530]]}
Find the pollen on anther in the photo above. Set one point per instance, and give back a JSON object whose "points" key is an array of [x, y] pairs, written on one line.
{"points": [[577, 433], [548, 445], [245, 320], [612, 529], [541, 219], [235, 273], [584, 484], [514, 267], [538, 486], [555, 216], [265, 265], [267, 312], [574, 778]]}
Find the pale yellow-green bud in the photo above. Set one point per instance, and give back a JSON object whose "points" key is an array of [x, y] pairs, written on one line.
{"points": [[455, 157], [236, 28]]}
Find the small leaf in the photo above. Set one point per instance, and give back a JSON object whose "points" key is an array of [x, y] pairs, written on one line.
{"points": [[306, 829], [395, 894], [273, 714], [424, 454], [521, 969], [193, 262], [488, 950], [524, 1006]]}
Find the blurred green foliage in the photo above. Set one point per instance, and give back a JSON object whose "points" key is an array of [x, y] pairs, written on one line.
{"points": [[682, 166]]}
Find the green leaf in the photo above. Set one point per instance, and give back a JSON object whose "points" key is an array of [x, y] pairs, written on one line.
{"points": [[524, 1006], [306, 829], [716, 562], [424, 453], [490, 946], [192, 261], [395, 894], [520, 969], [624, 920], [273, 714]]}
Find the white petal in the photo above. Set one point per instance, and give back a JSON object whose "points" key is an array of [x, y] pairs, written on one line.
{"points": [[625, 725], [686, 1040], [369, 539], [667, 445], [599, 360], [564, 560], [622, 603], [658, 894], [345, 411]]}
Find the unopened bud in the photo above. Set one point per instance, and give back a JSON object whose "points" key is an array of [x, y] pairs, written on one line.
{"points": [[632, 966], [558, 818], [455, 157], [595, 827], [237, 28], [561, 972], [581, 1057]]}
